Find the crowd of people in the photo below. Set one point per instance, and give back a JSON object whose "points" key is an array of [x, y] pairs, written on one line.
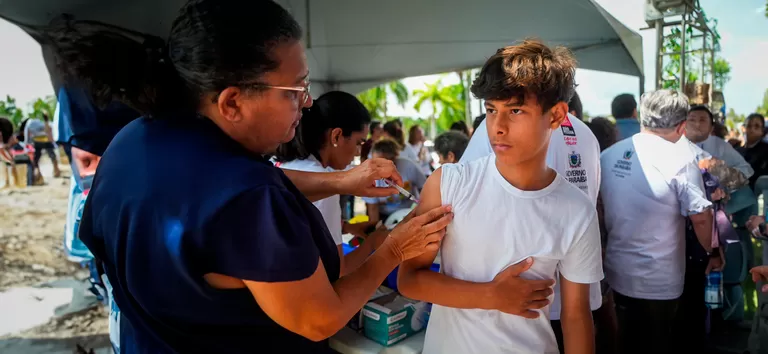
{"points": [[555, 234], [24, 145]]}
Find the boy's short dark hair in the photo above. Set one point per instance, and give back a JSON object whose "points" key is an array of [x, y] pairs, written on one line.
{"points": [[6, 129], [623, 106], [387, 147], [528, 68], [451, 141], [574, 105]]}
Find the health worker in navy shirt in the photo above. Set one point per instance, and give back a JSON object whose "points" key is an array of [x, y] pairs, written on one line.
{"points": [[208, 247]]}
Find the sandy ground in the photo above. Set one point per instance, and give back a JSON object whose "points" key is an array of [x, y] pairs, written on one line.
{"points": [[31, 252]]}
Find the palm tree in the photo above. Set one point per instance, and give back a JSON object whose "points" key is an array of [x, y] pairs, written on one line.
{"points": [[8, 109], [375, 99], [438, 96], [45, 106]]}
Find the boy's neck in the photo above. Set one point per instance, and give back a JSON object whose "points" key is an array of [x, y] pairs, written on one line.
{"points": [[531, 175]]}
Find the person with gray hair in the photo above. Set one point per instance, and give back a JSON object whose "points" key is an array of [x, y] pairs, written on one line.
{"points": [[649, 186]]}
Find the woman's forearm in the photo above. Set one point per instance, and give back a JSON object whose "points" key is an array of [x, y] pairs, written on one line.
{"points": [[354, 289], [356, 258], [315, 185]]}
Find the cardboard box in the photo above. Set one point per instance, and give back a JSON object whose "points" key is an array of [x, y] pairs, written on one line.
{"points": [[356, 323], [393, 318]]}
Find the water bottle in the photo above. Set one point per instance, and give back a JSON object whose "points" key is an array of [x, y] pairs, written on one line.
{"points": [[713, 292]]}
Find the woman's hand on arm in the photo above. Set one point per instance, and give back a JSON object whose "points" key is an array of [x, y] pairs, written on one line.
{"points": [[316, 309], [359, 181]]}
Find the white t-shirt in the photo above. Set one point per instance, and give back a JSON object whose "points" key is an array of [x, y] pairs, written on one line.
{"points": [[575, 154], [413, 181], [330, 207], [649, 186], [496, 225]]}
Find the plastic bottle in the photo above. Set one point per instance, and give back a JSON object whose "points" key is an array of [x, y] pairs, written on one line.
{"points": [[713, 292]]}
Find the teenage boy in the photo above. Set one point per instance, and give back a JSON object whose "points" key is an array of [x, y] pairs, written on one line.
{"points": [[509, 207]]}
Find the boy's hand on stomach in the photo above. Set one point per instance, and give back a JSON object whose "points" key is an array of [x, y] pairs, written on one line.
{"points": [[517, 296]]}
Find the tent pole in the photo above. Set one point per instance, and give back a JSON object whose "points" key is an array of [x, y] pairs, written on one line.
{"points": [[682, 52], [659, 46], [309, 24]]}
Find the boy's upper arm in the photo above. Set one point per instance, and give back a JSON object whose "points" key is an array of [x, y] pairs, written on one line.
{"points": [[430, 199], [574, 296]]}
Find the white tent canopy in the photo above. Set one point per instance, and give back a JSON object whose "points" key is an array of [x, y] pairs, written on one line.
{"points": [[356, 44]]}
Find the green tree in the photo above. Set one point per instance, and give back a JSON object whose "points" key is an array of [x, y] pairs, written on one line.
{"points": [[763, 108], [454, 112], [733, 120], [46, 106], [375, 99], [444, 102], [9, 110], [722, 73]]}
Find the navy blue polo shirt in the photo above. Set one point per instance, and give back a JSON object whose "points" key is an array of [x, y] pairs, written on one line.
{"points": [[174, 199], [86, 126]]}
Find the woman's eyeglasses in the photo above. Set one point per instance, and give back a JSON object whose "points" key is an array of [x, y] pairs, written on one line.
{"points": [[301, 92]]}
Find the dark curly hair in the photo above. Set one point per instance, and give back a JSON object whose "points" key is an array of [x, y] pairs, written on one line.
{"points": [[528, 68]]}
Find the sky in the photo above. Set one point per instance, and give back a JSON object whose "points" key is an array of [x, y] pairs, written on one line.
{"points": [[742, 26]]}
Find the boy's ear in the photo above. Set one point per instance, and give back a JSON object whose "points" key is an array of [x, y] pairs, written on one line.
{"points": [[559, 112]]}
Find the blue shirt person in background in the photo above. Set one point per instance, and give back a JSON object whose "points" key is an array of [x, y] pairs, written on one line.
{"points": [[85, 130], [209, 248], [624, 110]]}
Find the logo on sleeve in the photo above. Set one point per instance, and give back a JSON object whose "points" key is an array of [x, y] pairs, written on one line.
{"points": [[628, 154]]}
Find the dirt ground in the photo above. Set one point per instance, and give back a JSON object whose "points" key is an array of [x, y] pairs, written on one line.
{"points": [[31, 252]]}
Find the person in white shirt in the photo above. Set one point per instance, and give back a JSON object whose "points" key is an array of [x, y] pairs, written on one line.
{"points": [[649, 185], [698, 129], [328, 139], [415, 147], [509, 207], [413, 181], [573, 152]]}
